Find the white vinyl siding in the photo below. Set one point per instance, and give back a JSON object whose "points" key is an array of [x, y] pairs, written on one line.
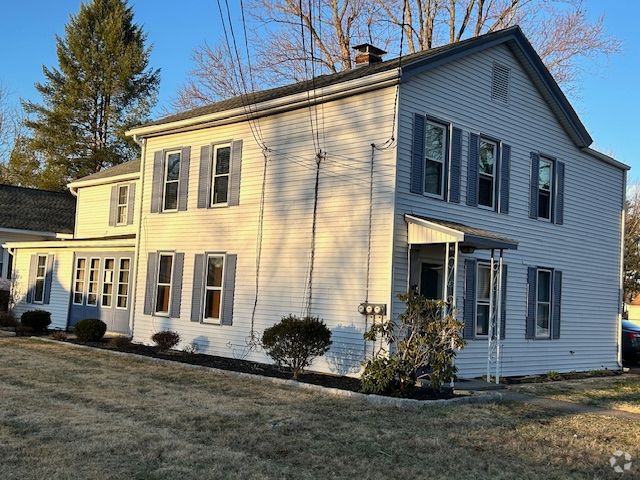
{"points": [[93, 212]]}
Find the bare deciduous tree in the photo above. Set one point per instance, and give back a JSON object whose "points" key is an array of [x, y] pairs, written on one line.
{"points": [[10, 123], [632, 244], [292, 40]]}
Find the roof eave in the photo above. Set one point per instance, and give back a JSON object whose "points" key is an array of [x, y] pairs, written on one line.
{"points": [[73, 186]]}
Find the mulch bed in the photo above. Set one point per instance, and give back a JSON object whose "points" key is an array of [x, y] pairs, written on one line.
{"points": [[267, 370]]}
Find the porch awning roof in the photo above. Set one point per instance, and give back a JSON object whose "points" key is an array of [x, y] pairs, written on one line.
{"points": [[424, 230]]}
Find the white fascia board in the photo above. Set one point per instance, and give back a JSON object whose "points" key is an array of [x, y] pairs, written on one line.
{"points": [[30, 232], [73, 186], [606, 158], [270, 107], [106, 243]]}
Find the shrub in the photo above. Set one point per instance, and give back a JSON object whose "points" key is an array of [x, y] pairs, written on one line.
{"points": [[90, 329], [22, 331], [7, 319], [192, 348], [294, 342], [59, 335], [165, 340], [37, 319], [121, 342], [421, 339]]}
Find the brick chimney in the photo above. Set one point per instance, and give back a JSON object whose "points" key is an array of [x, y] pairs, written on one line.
{"points": [[368, 54]]}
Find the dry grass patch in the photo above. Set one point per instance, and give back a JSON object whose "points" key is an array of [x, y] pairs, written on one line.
{"points": [[75, 414], [617, 393]]}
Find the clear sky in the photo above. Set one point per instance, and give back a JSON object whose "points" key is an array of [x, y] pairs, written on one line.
{"points": [[608, 103]]}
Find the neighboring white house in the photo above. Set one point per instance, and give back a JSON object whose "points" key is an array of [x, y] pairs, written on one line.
{"points": [[28, 214], [461, 172], [89, 274]]}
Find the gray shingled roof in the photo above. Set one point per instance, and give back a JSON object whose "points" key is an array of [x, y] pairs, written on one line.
{"points": [[413, 64], [132, 166], [36, 210]]}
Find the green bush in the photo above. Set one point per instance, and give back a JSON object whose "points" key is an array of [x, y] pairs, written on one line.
{"points": [[165, 340], [422, 338], [37, 319], [90, 329], [294, 342]]}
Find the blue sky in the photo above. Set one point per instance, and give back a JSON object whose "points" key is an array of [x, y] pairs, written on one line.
{"points": [[608, 102]]}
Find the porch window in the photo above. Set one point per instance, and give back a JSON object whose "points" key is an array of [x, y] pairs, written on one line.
{"points": [[477, 300], [483, 293], [123, 283], [107, 282], [94, 274]]}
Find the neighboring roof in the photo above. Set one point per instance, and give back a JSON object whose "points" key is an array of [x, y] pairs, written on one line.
{"points": [[411, 65], [464, 234], [636, 301], [36, 210], [123, 169]]}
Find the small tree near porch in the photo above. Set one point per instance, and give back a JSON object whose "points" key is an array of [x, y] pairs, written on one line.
{"points": [[423, 337]]}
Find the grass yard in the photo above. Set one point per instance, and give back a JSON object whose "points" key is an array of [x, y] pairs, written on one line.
{"points": [[617, 393], [67, 413]]}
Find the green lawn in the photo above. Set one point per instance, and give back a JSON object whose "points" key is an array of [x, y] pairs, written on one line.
{"points": [[68, 413]]}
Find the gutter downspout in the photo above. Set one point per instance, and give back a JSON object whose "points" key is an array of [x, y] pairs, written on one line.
{"points": [[143, 144], [622, 269]]}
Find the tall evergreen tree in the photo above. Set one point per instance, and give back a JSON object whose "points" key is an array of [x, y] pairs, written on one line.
{"points": [[102, 88]]}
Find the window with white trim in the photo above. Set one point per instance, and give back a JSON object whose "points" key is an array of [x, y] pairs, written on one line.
{"points": [[78, 284], [41, 272], [94, 279], [545, 175], [486, 169], [213, 288], [107, 282], [220, 176], [171, 180], [483, 299], [543, 304], [435, 158], [163, 283], [123, 283], [122, 206]]}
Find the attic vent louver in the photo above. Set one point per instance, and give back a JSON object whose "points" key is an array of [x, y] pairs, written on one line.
{"points": [[500, 83]]}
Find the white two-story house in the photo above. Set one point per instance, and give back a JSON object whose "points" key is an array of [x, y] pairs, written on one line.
{"points": [[461, 172]]}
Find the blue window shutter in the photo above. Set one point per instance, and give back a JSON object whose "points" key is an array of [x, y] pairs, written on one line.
{"points": [[234, 173], [48, 279], [533, 187], [503, 304], [204, 179], [158, 180], [183, 192], [454, 167], [472, 170], [469, 314], [505, 168], [32, 278], [150, 287], [557, 291], [417, 155], [559, 206], [176, 285], [131, 201], [229, 287], [113, 207], [532, 273], [198, 280]]}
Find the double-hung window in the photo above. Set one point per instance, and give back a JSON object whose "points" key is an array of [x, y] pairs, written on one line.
{"points": [[41, 271], [78, 285], [122, 207], [220, 176], [163, 284], [487, 170], [478, 287], [123, 283], [488, 173], [107, 282], [94, 279], [171, 181], [547, 189], [213, 288], [543, 303], [435, 159]]}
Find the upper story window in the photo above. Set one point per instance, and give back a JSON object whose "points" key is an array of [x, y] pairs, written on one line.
{"points": [[123, 202], [488, 173], [546, 200], [220, 175], [486, 168], [170, 184], [545, 174], [435, 158], [219, 180], [171, 181]]}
